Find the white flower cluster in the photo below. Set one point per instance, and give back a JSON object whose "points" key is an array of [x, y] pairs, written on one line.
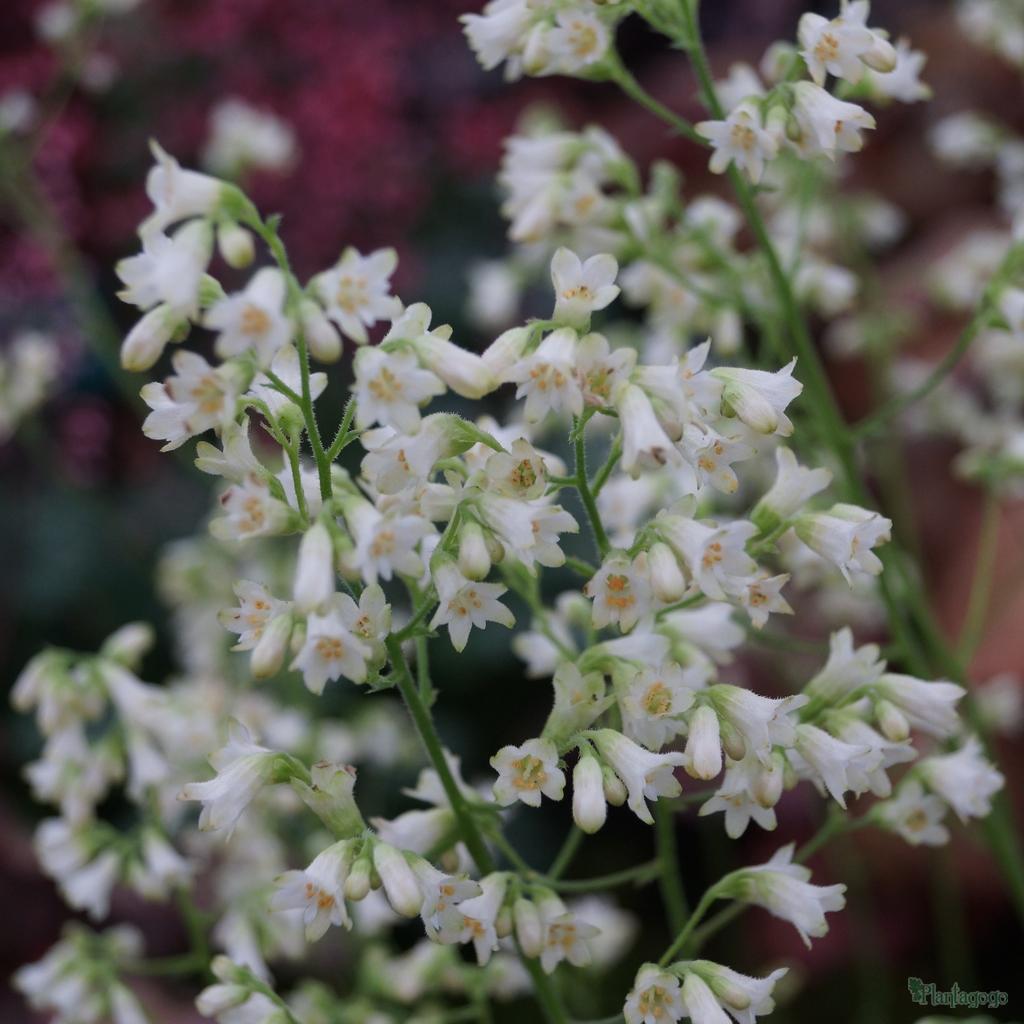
{"points": [[695, 522]]}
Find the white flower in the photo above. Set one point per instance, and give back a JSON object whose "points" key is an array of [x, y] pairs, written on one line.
{"points": [[442, 894], [754, 724], [645, 445], [547, 377], [401, 885], [394, 461], [832, 760], [479, 916], [286, 366], [234, 460], [827, 124], [783, 889], [711, 454], [168, 270], [146, 341], [700, 1002], [252, 320], [620, 591], [914, 815], [868, 773], [844, 536], [843, 45], [654, 701], [763, 596], [250, 510], [740, 84], [331, 648], [581, 288], [964, 779], [847, 669], [794, 486], [196, 398], [740, 139], [498, 32], [745, 998], [243, 768], [178, 194], [463, 604], [356, 292], [390, 387], [564, 935], [760, 398], [715, 555], [646, 776], [385, 544], [162, 868], [243, 138], [518, 473], [903, 82], [317, 891], [527, 772], [928, 705], [654, 998], [578, 40]]}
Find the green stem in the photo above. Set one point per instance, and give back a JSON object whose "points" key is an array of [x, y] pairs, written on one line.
{"points": [[583, 486], [639, 873], [601, 477], [973, 629], [342, 437], [679, 944], [565, 855], [671, 879]]}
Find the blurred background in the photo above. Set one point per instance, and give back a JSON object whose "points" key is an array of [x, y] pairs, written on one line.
{"points": [[392, 136]]}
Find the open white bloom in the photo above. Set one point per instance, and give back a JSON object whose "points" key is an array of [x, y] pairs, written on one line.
{"points": [[582, 287], [745, 998], [763, 596], [740, 139], [654, 701], [197, 397], [385, 544], [393, 461], [286, 366], [519, 472], [331, 648], [699, 1001], [317, 891], [964, 779], [252, 320], [169, 270], [234, 460], [243, 768], [828, 125], [903, 82], [250, 510], [356, 291], [442, 894], [843, 46], [845, 536], [654, 998], [463, 603], [715, 555], [915, 815], [794, 486], [564, 935], [620, 591], [847, 669], [547, 377], [479, 916], [833, 762], [646, 776], [783, 889], [498, 32], [527, 772], [390, 387], [578, 39]]}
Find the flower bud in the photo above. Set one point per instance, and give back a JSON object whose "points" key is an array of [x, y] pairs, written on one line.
{"points": [[399, 880], [506, 350], [474, 557], [216, 999], [769, 781], [323, 340], [529, 928], [235, 245], [314, 571], [269, 652], [463, 371], [733, 743], [589, 808], [129, 644], [330, 795], [614, 788], [667, 580], [503, 923], [147, 340], [882, 55], [704, 744], [892, 721], [359, 879]]}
